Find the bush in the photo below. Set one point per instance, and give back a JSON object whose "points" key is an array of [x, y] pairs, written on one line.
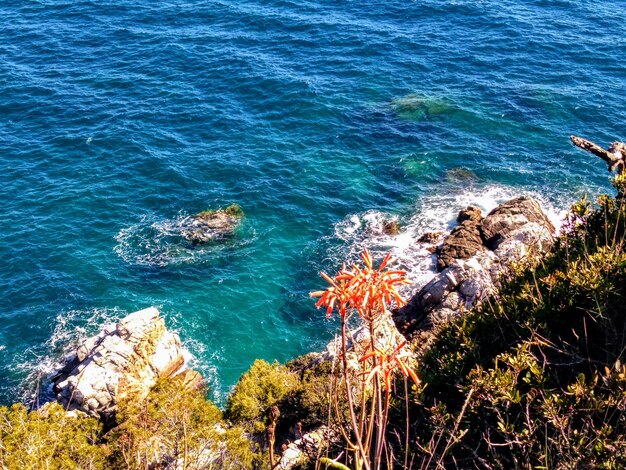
{"points": [[308, 403], [261, 387], [176, 425], [534, 378], [48, 438]]}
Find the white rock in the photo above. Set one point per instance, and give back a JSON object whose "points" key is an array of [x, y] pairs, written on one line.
{"points": [[121, 359]]}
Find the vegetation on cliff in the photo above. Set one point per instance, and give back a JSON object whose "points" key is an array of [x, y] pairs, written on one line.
{"points": [[170, 429], [49, 438], [533, 378], [536, 377]]}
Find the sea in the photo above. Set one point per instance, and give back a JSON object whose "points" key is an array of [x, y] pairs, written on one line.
{"points": [[322, 119]]}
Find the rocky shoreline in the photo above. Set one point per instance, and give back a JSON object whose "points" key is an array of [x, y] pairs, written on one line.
{"points": [[472, 258], [128, 358]]}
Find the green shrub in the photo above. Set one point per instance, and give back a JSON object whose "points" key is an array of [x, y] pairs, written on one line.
{"points": [[531, 423], [48, 438], [534, 378], [261, 387], [308, 402], [176, 424]]}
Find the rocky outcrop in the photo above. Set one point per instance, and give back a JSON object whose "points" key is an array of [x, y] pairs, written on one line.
{"points": [[507, 218], [213, 225], [127, 358], [473, 258], [470, 213], [465, 239]]}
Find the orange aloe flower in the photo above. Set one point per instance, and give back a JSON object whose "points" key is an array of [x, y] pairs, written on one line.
{"points": [[389, 362], [367, 289], [338, 294]]}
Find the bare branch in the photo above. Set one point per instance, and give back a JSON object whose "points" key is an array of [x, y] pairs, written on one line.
{"points": [[614, 156]]}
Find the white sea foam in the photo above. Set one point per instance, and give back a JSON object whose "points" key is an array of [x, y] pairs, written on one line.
{"points": [[159, 242], [199, 358], [198, 355], [435, 213], [74, 326]]}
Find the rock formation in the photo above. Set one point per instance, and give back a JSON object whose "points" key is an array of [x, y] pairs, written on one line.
{"points": [[511, 216], [465, 239], [391, 227], [472, 259], [213, 225], [127, 358]]}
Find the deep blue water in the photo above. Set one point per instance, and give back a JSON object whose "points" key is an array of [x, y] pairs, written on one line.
{"points": [[119, 118]]}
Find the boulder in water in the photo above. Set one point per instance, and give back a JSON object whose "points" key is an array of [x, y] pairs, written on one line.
{"points": [[391, 227], [470, 213], [430, 237], [213, 225]]}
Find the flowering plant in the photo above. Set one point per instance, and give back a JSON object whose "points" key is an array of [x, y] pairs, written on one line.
{"points": [[370, 292]]}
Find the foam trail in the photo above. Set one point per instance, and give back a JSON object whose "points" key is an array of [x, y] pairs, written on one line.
{"points": [[159, 242]]}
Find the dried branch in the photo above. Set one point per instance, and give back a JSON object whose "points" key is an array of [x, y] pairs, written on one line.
{"points": [[614, 156]]}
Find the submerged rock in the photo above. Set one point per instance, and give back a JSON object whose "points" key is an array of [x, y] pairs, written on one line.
{"points": [[213, 225], [416, 107], [460, 174], [127, 358], [472, 260]]}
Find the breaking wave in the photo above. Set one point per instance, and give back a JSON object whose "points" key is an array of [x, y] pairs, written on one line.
{"points": [[434, 214]]}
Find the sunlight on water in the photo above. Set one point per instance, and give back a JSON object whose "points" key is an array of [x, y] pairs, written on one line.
{"points": [[323, 120]]}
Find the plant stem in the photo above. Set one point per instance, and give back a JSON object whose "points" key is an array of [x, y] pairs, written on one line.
{"points": [[346, 376], [406, 404]]}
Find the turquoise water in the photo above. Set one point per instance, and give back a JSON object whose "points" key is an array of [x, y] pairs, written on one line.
{"points": [[318, 118]]}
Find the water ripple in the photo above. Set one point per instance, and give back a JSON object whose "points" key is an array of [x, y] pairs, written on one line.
{"points": [[119, 120]]}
